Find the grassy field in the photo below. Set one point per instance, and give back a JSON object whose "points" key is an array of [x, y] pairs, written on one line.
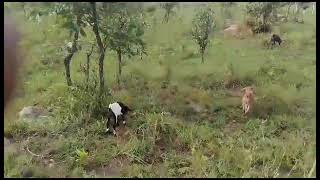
{"points": [[186, 123]]}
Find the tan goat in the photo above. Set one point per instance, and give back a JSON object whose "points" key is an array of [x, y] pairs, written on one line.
{"points": [[247, 100]]}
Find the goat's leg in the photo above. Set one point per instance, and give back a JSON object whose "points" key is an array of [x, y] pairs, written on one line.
{"points": [[243, 107], [247, 109], [108, 124], [114, 130]]}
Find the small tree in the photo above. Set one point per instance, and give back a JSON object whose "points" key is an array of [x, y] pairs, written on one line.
{"points": [[124, 36], [202, 27], [168, 7], [72, 15]]}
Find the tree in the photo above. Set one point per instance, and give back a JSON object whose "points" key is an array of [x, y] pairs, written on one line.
{"points": [[102, 11], [123, 33], [73, 20], [300, 7], [261, 12], [168, 7], [102, 48], [73, 14], [289, 5], [202, 27]]}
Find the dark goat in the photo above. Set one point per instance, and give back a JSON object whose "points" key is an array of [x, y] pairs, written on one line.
{"points": [[275, 38]]}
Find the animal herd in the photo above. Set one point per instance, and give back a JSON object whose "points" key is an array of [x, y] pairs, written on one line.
{"points": [[118, 110]]}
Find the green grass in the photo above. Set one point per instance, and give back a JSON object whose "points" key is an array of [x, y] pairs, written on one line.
{"points": [[203, 133]]}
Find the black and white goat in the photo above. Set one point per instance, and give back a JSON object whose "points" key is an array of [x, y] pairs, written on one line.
{"points": [[116, 111]]}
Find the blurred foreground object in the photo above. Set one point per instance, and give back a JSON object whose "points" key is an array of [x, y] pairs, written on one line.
{"points": [[11, 55]]}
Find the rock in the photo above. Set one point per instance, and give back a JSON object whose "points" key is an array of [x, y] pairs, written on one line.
{"points": [[233, 30], [9, 146], [6, 142], [32, 112], [237, 31], [196, 107], [27, 173]]}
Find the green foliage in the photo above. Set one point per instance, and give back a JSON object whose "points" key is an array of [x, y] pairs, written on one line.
{"points": [[203, 25], [124, 33], [76, 16], [262, 12], [82, 157]]}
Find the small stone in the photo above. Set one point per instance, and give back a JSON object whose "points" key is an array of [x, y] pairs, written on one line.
{"points": [[26, 173]]}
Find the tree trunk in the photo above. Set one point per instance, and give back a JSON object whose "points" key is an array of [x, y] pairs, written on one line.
{"points": [[264, 20], [167, 19], [119, 66], [88, 66], [24, 10], [95, 29], [296, 18], [202, 58], [288, 11], [87, 71], [67, 60]]}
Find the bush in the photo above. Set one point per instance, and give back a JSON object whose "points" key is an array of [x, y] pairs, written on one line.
{"points": [[262, 28]]}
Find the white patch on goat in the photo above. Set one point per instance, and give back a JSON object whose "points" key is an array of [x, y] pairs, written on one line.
{"points": [[116, 109]]}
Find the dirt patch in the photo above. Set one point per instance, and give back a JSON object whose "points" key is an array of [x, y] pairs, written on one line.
{"points": [[9, 146], [181, 147], [123, 134], [113, 169], [166, 96]]}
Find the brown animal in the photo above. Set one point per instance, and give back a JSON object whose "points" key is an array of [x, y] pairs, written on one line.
{"points": [[247, 100]]}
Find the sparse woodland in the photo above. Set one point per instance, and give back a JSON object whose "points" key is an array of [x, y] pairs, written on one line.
{"points": [[180, 67]]}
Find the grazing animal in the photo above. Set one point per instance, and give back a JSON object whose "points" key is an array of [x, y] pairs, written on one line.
{"points": [[247, 100], [116, 111], [275, 38]]}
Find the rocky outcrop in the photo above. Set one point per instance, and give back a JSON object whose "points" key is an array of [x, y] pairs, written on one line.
{"points": [[237, 31], [33, 112]]}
